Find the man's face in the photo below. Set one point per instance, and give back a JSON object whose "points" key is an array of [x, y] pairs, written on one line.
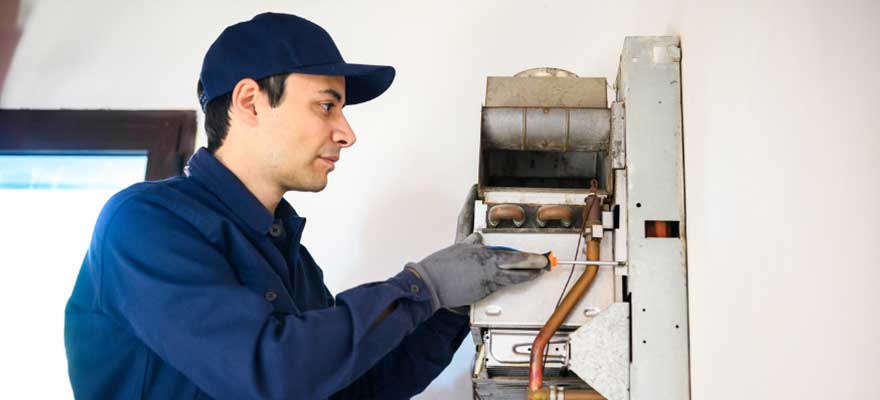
{"points": [[304, 134]]}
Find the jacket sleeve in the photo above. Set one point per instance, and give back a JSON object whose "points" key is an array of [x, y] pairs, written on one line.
{"points": [[410, 368], [177, 292]]}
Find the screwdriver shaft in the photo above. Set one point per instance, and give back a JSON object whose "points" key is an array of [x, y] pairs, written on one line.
{"points": [[584, 262]]}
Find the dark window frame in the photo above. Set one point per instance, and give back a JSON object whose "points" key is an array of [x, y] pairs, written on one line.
{"points": [[168, 136]]}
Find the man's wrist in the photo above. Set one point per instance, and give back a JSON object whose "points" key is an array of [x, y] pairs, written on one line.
{"points": [[435, 300], [416, 273]]}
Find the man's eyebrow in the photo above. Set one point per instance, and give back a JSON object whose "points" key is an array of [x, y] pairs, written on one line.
{"points": [[336, 95]]}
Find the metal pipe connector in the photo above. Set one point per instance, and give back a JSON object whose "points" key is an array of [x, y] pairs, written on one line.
{"points": [[504, 212], [549, 213]]}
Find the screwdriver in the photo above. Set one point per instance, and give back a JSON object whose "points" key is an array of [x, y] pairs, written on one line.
{"points": [[547, 261]]}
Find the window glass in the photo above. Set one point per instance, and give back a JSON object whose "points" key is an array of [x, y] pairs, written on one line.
{"points": [[49, 202]]}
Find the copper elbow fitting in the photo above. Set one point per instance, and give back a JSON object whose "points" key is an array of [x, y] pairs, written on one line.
{"points": [[548, 213], [504, 212], [540, 394]]}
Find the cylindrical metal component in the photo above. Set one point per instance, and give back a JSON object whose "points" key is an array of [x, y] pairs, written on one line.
{"points": [[546, 129], [554, 213], [504, 212], [581, 262], [536, 362], [589, 129]]}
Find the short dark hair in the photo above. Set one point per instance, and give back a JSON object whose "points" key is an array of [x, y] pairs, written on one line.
{"points": [[217, 110]]}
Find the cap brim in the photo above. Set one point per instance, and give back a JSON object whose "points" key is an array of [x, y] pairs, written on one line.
{"points": [[362, 82]]}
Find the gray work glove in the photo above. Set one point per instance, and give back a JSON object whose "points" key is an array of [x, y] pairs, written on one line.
{"points": [[466, 215], [466, 272]]}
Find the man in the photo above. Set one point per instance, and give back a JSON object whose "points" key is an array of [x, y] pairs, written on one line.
{"points": [[197, 287]]}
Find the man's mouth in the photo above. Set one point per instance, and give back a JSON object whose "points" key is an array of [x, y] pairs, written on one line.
{"points": [[330, 160]]}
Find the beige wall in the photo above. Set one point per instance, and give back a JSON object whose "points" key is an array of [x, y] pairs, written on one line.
{"points": [[783, 187], [781, 150]]}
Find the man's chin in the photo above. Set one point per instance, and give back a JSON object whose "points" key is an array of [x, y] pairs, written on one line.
{"points": [[314, 187]]}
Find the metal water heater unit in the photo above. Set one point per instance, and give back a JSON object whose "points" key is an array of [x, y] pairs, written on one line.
{"points": [[560, 170]]}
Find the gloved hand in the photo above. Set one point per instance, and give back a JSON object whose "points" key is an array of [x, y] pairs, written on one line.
{"points": [[466, 215], [467, 271]]}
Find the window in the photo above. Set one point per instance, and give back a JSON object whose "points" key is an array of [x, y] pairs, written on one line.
{"points": [[57, 169]]}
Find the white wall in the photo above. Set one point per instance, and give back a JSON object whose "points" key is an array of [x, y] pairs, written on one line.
{"points": [[783, 187], [782, 180]]}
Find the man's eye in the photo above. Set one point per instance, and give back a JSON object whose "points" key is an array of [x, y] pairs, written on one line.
{"points": [[327, 106]]}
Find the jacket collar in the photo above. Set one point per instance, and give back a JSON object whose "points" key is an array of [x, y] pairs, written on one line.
{"points": [[206, 169]]}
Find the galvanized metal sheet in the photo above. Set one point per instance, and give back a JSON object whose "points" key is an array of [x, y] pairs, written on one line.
{"points": [[507, 91], [600, 352], [503, 128], [590, 129], [649, 84], [545, 129], [617, 147], [620, 235]]}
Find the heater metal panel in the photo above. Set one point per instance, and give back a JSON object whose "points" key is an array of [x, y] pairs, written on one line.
{"points": [[649, 86], [508, 91], [529, 305]]}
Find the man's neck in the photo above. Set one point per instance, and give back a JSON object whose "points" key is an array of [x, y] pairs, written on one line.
{"points": [[264, 190]]}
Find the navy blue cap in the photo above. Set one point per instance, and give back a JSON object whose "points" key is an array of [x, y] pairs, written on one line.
{"points": [[273, 43]]}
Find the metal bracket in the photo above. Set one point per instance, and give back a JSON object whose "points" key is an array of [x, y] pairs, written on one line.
{"points": [[512, 348]]}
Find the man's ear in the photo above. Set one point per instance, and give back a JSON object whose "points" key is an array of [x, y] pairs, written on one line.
{"points": [[245, 96]]}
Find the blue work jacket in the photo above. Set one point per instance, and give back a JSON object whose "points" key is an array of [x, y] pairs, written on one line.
{"points": [[192, 290]]}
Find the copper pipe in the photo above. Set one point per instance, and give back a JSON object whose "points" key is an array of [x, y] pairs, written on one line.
{"points": [[536, 364], [554, 213], [503, 212], [660, 228]]}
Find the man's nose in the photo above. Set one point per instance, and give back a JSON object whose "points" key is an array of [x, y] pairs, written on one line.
{"points": [[343, 135]]}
